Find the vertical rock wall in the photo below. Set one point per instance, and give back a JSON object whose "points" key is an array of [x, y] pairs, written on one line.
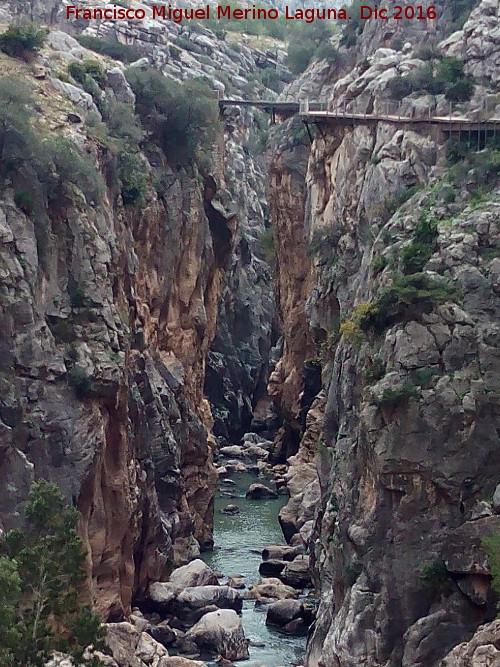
{"points": [[407, 454]]}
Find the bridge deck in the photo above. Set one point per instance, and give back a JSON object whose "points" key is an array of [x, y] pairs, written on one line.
{"points": [[290, 107], [458, 121], [315, 112]]}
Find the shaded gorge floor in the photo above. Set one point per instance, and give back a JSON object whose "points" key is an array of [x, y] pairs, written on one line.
{"points": [[239, 540]]}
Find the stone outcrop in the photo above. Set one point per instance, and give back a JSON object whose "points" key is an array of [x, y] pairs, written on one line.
{"points": [[482, 650]]}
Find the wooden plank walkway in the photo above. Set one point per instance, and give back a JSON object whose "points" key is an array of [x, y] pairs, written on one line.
{"points": [[315, 112]]}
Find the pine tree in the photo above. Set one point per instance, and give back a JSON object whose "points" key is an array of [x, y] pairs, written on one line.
{"points": [[40, 575]]}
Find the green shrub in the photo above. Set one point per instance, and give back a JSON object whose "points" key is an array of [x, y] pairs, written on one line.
{"points": [[81, 382], [492, 548], [329, 53], [22, 38], [267, 245], [460, 11], [41, 573], [77, 71], [94, 69], [424, 376], [375, 371], [182, 117], [395, 398], [399, 87], [133, 179], [305, 42], [435, 577], [354, 26], [71, 166], [427, 53], [123, 52], [271, 79], [174, 51], [460, 91], [62, 329], [379, 264], [24, 201], [443, 76], [407, 298], [400, 198], [414, 257], [300, 55]]}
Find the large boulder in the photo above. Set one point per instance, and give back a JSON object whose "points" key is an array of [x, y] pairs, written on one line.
{"points": [[283, 611], [272, 568], [221, 632], [162, 633], [195, 573], [150, 651], [297, 573], [131, 648], [160, 595], [279, 552], [266, 590], [191, 599], [496, 500], [260, 491]]}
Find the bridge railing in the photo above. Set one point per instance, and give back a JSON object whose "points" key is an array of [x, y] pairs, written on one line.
{"points": [[393, 109]]}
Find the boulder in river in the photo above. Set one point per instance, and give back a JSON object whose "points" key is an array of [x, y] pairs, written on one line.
{"points": [[221, 632], [236, 581], [231, 450], [296, 628], [162, 633], [283, 611], [230, 509], [259, 491], [272, 568], [197, 597], [279, 552], [266, 590], [296, 573], [195, 573]]}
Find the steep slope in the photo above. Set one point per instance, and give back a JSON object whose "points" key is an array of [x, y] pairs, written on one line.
{"points": [[109, 308], [402, 303]]}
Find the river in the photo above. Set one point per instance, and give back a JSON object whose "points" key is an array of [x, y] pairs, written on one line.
{"points": [[239, 540]]}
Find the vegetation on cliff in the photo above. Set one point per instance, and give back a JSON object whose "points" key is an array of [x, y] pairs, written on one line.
{"points": [[41, 570]]}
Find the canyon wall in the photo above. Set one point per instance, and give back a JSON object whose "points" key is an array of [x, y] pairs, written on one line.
{"points": [[109, 309], [406, 458]]}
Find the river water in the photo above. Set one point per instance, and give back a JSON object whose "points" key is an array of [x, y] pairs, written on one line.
{"points": [[239, 539]]}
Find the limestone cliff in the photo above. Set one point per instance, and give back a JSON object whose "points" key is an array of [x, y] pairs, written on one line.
{"points": [[108, 313], [408, 348]]}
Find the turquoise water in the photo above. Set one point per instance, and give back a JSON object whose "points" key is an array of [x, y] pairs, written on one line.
{"points": [[239, 540]]}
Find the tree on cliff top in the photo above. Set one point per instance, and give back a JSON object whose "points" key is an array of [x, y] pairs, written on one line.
{"points": [[182, 117], [41, 570]]}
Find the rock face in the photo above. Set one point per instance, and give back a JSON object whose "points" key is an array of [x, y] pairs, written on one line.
{"points": [[124, 303], [394, 505], [481, 650]]}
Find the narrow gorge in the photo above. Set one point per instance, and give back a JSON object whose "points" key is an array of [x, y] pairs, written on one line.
{"points": [[249, 315]]}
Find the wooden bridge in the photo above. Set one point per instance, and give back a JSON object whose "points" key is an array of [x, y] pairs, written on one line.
{"points": [[319, 114]]}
